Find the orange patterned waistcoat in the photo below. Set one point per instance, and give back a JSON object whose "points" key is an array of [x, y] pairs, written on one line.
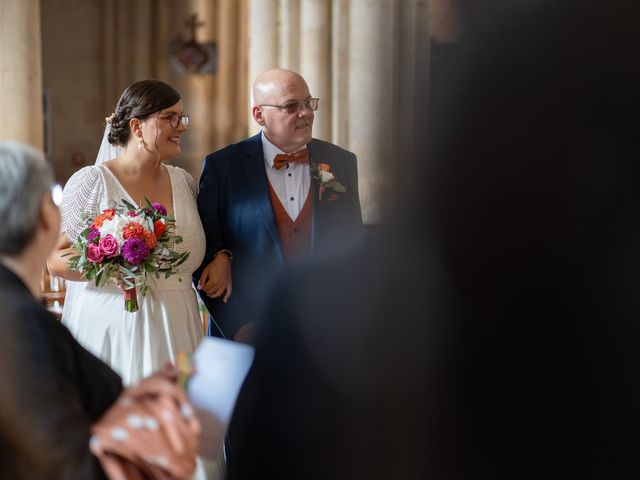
{"points": [[295, 236]]}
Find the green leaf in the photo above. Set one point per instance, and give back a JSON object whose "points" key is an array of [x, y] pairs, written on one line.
{"points": [[127, 272], [183, 259], [338, 187], [129, 206], [99, 277]]}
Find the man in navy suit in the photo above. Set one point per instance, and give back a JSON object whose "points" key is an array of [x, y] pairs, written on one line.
{"points": [[272, 201]]}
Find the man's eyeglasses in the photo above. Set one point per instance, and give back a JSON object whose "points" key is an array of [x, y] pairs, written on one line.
{"points": [[291, 108], [175, 119]]}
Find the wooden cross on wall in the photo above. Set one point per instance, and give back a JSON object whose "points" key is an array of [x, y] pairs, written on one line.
{"points": [[193, 24]]}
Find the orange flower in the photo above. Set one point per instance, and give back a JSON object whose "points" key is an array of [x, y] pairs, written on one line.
{"points": [[133, 230], [107, 214], [150, 240], [99, 220], [324, 166], [159, 228]]}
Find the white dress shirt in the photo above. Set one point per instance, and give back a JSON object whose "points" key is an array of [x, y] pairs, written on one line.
{"points": [[291, 183]]}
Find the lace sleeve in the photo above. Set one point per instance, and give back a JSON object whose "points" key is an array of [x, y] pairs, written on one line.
{"points": [[81, 198], [191, 183]]}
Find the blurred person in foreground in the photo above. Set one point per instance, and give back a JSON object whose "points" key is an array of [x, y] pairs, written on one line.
{"points": [[69, 416], [494, 333]]}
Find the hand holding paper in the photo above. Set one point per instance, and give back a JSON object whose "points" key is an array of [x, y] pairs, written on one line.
{"points": [[220, 369]]}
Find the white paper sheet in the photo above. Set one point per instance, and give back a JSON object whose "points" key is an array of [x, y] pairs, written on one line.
{"points": [[221, 367]]}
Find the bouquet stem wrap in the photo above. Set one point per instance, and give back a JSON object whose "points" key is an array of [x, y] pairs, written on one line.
{"points": [[131, 300]]}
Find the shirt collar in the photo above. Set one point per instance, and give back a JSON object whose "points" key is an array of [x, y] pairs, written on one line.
{"points": [[270, 151]]}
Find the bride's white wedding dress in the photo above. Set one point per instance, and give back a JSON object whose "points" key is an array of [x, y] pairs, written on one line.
{"points": [[134, 344]]}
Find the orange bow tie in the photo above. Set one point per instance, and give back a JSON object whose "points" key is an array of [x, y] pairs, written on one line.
{"points": [[282, 159]]}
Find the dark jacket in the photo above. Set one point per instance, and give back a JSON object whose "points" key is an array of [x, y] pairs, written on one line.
{"points": [[60, 387], [236, 213]]}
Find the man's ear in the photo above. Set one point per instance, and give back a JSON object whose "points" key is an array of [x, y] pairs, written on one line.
{"points": [[257, 115]]}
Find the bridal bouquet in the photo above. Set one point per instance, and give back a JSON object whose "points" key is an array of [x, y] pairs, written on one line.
{"points": [[125, 245]]}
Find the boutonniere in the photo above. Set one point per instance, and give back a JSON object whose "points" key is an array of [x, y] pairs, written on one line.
{"points": [[322, 174]]}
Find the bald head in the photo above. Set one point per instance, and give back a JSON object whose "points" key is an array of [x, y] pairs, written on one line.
{"points": [[280, 106], [274, 84]]}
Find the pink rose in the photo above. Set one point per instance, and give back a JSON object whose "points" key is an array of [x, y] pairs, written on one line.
{"points": [[108, 246], [94, 254]]}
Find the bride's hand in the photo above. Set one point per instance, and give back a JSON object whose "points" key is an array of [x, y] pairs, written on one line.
{"points": [[216, 278], [58, 261]]}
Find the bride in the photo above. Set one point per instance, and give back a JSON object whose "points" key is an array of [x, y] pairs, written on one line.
{"points": [[143, 132]]}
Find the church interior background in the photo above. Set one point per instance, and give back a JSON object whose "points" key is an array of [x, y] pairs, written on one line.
{"points": [[63, 64]]}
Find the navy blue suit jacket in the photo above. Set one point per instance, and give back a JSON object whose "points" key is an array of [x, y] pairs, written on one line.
{"points": [[235, 208]]}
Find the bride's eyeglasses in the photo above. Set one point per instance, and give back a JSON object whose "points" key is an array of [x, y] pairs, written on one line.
{"points": [[175, 119]]}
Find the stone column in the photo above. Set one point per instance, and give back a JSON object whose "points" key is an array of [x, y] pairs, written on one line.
{"points": [[242, 99], [21, 72], [371, 99], [124, 52], [263, 42], [164, 35], [227, 70], [290, 34], [340, 73], [110, 85], [200, 103], [142, 44], [412, 90], [315, 59]]}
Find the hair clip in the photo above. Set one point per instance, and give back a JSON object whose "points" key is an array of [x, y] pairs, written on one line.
{"points": [[110, 118]]}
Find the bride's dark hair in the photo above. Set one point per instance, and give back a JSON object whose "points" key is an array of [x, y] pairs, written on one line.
{"points": [[139, 100]]}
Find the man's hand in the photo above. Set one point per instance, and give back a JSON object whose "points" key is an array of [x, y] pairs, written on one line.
{"points": [[216, 277]]}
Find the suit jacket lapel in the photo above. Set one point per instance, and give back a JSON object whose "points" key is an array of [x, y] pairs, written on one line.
{"points": [[254, 170], [315, 157]]}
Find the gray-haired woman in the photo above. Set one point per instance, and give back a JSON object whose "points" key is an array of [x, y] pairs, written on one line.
{"points": [[55, 393]]}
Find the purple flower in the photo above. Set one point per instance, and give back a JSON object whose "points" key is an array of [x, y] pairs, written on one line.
{"points": [[93, 235], [158, 207], [135, 251], [108, 245], [94, 254]]}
